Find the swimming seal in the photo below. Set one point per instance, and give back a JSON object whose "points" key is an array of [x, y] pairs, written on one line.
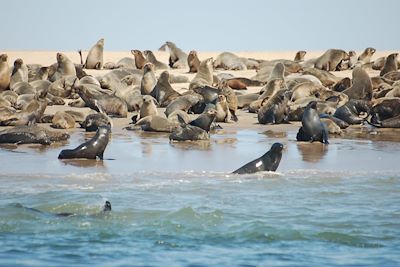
{"points": [[91, 149], [267, 162]]}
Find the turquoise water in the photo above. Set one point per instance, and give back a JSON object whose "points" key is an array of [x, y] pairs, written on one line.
{"points": [[324, 207]]}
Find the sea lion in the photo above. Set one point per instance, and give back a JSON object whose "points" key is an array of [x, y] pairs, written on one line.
{"points": [[245, 100], [305, 90], [4, 73], [312, 128], [361, 87], [93, 121], [385, 108], [193, 62], [188, 132], [92, 149], [178, 58], [268, 91], [32, 134], [331, 59], [275, 110], [163, 91], [41, 74], [299, 57], [204, 76], [327, 79], [393, 122], [276, 71], [94, 59], [342, 85], [232, 100], [267, 162], [62, 120], [230, 61], [331, 126], [390, 64], [352, 59], [140, 60], [350, 111], [149, 79], [158, 65]]}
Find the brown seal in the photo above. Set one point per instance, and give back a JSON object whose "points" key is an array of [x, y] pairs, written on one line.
{"points": [[62, 120], [19, 73], [140, 60], [178, 58], [163, 91], [148, 107], [64, 67], [193, 62], [365, 57], [4, 72]]}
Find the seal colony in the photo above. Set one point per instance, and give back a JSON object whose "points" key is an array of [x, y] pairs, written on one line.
{"points": [[185, 94]]}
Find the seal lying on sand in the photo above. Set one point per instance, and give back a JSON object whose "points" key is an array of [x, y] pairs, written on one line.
{"points": [[106, 209], [91, 149], [267, 162], [30, 135]]}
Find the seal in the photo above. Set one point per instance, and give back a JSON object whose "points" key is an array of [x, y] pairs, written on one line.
{"points": [[92, 149], [312, 128], [362, 85], [204, 76], [193, 62], [232, 100], [94, 59], [4, 73], [184, 103], [140, 60], [390, 64], [64, 67], [366, 55], [331, 59], [106, 208], [267, 162], [19, 73], [205, 120], [299, 57], [342, 85], [350, 111], [177, 58], [32, 134], [188, 132], [62, 120], [93, 121], [156, 123], [149, 79], [385, 108], [148, 107], [222, 108], [163, 91], [275, 110], [158, 65]]}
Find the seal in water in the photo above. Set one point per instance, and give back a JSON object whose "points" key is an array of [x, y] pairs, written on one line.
{"points": [[267, 162], [91, 149]]}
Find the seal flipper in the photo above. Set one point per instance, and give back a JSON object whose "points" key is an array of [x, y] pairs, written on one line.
{"points": [[325, 134]]}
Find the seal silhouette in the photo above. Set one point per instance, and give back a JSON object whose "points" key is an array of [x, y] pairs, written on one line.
{"points": [[91, 149], [267, 162]]}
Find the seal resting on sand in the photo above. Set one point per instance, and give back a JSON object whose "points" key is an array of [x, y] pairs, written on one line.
{"points": [[267, 162], [91, 149]]}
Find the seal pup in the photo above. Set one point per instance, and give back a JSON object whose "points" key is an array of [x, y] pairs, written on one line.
{"points": [[158, 65], [92, 149], [267, 162], [222, 108], [312, 128], [140, 60], [193, 62], [4, 73], [177, 58], [94, 59]]}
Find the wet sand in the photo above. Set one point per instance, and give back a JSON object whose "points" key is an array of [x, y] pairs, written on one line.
{"points": [[360, 148]]}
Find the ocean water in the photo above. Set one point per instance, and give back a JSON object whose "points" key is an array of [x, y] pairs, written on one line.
{"points": [[178, 205]]}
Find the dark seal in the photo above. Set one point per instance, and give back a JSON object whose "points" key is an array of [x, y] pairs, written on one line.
{"points": [[91, 149], [312, 128], [267, 162]]}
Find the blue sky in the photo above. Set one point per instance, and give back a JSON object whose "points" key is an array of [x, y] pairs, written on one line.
{"points": [[205, 25]]}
